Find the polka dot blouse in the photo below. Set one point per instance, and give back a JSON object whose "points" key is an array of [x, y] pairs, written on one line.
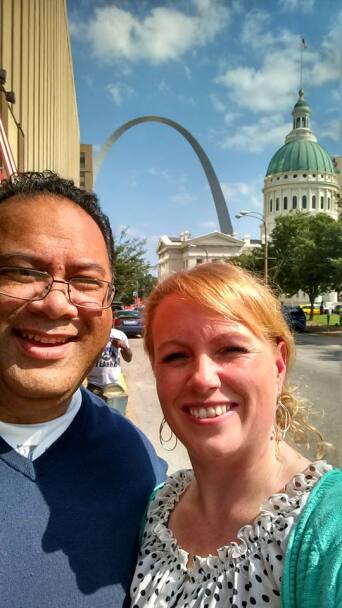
{"points": [[242, 574]]}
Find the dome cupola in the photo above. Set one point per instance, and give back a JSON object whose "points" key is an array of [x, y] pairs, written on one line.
{"points": [[301, 152]]}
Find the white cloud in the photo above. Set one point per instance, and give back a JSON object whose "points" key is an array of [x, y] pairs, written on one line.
{"points": [[270, 86], [297, 6], [163, 87], [164, 34], [209, 225], [244, 195], [183, 196], [89, 80], [329, 65], [268, 131], [231, 117], [187, 71], [158, 173], [119, 91], [218, 103], [331, 130], [187, 99]]}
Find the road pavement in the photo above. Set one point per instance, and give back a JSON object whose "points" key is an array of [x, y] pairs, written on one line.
{"points": [[317, 374]]}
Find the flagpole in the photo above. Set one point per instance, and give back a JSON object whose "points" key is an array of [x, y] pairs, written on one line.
{"points": [[302, 47]]}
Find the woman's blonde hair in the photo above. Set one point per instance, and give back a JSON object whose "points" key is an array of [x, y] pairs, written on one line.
{"points": [[238, 295]]}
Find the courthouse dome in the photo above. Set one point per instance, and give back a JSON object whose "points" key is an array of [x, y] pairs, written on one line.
{"points": [[301, 152], [301, 156]]}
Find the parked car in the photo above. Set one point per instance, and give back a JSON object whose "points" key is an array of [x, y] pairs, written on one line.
{"points": [[130, 322], [338, 309], [295, 317], [307, 308], [117, 305]]}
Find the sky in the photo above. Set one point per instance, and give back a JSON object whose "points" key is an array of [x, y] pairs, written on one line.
{"points": [[228, 71]]}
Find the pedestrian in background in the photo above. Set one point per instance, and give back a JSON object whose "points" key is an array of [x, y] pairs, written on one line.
{"points": [[107, 370], [255, 523], [75, 476]]}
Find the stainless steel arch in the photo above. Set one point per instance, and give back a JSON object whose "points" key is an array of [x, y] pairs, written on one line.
{"points": [[219, 200]]}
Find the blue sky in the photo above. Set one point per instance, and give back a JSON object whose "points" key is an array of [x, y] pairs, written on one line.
{"points": [[227, 71]]}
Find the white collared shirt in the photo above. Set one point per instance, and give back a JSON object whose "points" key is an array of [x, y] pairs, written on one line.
{"points": [[31, 440]]}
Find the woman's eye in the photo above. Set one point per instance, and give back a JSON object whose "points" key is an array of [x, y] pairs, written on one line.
{"points": [[173, 357], [234, 349]]}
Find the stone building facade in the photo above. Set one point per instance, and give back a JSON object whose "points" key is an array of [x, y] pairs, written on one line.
{"points": [[40, 130]]}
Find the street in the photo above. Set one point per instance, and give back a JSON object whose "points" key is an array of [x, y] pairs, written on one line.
{"points": [[317, 374]]}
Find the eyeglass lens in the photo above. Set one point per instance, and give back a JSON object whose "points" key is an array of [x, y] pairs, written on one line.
{"points": [[27, 284]]}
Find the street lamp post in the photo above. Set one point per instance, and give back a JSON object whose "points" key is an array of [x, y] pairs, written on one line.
{"points": [[258, 216]]}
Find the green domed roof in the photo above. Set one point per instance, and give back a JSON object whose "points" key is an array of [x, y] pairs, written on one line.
{"points": [[301, 155]]}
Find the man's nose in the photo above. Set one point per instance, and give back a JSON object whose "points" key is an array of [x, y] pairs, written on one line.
{"points": [[205, 374], [56, 304]]}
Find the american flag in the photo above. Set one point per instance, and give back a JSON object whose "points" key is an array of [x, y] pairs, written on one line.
{"points": [[304, 44]]}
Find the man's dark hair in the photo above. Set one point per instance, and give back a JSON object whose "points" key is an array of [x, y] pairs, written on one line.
{"points": [[31, 184]]}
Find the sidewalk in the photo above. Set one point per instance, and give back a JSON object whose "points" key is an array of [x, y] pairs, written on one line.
{"points": [[327, 330]]}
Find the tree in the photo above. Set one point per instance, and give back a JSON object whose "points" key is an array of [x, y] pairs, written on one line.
{"points": [[131, 270], [307, 252], [251, 260]]}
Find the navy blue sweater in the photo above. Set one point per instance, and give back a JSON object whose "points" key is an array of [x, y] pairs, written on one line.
{"points": [[69, 521]]}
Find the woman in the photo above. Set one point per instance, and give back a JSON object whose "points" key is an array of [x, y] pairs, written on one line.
{"points": [[223, 534]]}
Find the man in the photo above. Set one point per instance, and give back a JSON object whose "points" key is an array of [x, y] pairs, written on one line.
{"points": [[107, 370], [75, 476]]}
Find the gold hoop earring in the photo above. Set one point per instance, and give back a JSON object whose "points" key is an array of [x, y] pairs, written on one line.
{"points": [[164, 441], [282, 420]]}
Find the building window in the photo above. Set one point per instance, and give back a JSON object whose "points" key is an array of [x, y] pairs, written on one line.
{"points": [[199, 261], [322, 202], [298, 122], [294, 202], [304, 202], [303, 122], [285, 176], [328, 202], [285, 202], [277, 204], [295, 175], [271, 206], [313, 202], [82, 180], [82, 160]]}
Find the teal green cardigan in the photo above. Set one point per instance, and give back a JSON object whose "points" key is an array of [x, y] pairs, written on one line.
{"points": [[312, 575]]}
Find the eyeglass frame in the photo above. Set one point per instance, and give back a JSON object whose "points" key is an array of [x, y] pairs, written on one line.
{"points": [[68, 283]]}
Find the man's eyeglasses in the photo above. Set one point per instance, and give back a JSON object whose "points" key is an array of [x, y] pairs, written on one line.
{"points": [[29, 284]]}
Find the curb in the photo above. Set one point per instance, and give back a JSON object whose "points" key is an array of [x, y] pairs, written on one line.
{"points": [[323, 330]]}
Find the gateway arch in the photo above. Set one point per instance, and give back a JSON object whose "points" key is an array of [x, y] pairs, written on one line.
{"points": [[216, 191]]}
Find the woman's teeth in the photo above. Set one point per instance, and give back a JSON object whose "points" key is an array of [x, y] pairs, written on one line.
{"points": [[209, 412]]}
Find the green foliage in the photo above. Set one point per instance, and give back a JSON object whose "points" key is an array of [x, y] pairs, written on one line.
{"points": [[131, 270], [306, 251], [252, 260]]}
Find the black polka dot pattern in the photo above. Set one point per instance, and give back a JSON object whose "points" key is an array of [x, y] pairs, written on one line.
{"points": [[242, 574]]}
